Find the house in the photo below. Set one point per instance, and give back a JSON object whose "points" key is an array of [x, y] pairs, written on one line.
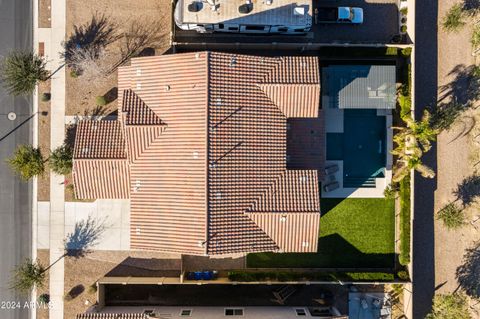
{"points": [[239, 16], [210, 150]]}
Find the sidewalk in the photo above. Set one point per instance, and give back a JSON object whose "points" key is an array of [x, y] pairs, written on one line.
{"points": [[53, 38]]}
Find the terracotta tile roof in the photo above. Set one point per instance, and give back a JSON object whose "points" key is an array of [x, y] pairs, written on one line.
{"points": [[247, 148], [168, 201], [102, 178], [99, 139], [206, 137]]}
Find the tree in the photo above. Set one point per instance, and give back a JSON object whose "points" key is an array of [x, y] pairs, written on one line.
{"points": [[21, 71], [412, 142], [454, 20], [27, 162], [452, 216], [28, 275], [449, 307], [61, 160]]}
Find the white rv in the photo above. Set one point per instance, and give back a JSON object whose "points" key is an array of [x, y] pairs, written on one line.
{"points": [[244, 16]]}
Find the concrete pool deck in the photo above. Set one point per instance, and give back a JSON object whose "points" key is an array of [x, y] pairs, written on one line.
{"points": [[334, 124]]}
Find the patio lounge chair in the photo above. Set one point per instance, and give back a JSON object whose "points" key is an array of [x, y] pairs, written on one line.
{"points": [[330, 187], [331, 169]]}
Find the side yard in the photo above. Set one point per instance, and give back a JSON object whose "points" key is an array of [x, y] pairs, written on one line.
{"points": [[354, 233]]}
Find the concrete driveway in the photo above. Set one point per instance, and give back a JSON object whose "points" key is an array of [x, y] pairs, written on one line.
{"points": [[111, 217]]}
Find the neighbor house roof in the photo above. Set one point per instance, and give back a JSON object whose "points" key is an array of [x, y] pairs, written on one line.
{"points": [[206, 144], [359, 86]]}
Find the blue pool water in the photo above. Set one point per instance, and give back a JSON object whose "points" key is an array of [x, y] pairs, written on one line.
{"points": [[361, 147]]}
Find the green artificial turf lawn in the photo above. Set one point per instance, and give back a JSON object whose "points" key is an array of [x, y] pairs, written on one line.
{"points": [[354, 233]]}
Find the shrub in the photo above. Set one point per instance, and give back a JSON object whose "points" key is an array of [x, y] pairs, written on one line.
{"points": [[46, 97], [406, 52], [390, 191], [404, 257], [449, 307], [74, 74], [391, 51], [44, 298], [403, 275], [101, 101], [245, 276], [454, 20], [403, 28], [92, 288], [452, 216], [404, 11]]}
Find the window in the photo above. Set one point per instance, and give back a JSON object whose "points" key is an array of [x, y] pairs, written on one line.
{"points": [[233, 312], [255, 27], [233, 28], [283, 29], [186, 313], [300, 312]]}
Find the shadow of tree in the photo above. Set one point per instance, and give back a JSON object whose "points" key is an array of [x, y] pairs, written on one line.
{"points": [[91, 38], [468, 190], [456, 97], [468, 274], [85, 235], [471, 7]]}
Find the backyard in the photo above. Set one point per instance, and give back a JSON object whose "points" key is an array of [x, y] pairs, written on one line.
{"points": [[354, 233]]}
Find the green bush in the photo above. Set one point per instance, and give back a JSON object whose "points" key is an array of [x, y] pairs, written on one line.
{"points": [[73, 74], [61, 160], [403, 275], [390, 191], [406, 52], [245, 276], [46, 97], [404, 11], [403, 28], [404, 96], [44, 298], [404, 257], [92, 288], [454, 20], [452, 216], [27, 162], [101, 101], [391, 51]]}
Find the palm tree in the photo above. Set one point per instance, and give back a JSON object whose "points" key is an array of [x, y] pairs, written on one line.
{"points": [[21, 71], [61, 160], [454, 20], [412, 142], [28, 275], [27, 162]]}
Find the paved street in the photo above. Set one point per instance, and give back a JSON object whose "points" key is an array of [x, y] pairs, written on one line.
{"points": [[425, 95], [15, 196]]}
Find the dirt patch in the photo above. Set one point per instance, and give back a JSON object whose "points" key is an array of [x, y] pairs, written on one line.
{"points": [[81, 95], [453, 158], [82, 273], [43, 191], [43, 256], [44, 14]]}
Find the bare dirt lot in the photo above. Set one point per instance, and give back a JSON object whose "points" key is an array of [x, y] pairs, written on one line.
{"points": [[43, 191], [124, 18], [455, 165]]}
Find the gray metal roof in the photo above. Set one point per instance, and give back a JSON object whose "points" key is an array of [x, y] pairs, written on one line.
{"points": [[359, 87]]}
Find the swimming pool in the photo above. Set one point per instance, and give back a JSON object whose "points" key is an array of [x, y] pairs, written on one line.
{"points": [[361, 147]]}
